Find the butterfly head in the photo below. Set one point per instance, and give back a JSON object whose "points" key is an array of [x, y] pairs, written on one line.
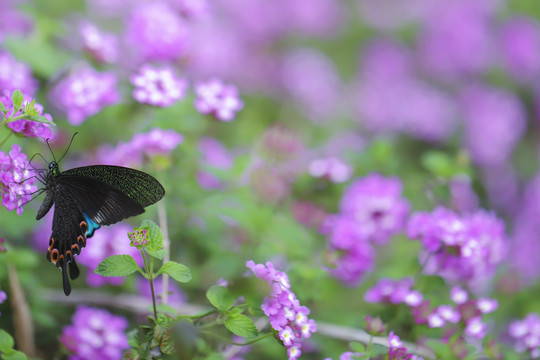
{"points": [[53, 168]]}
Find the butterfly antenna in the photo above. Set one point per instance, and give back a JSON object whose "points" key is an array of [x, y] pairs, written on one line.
{"points": [[65, 152], [49, 146], [32, 158]]}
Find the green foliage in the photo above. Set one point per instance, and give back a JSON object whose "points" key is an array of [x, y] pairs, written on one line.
{"points": [[442, 165], [220, 297], [6, 347], [17, 98], [241, 325], [177, 271], [117, 265]]}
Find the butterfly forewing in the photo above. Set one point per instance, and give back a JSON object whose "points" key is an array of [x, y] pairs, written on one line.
{"points": [[137, 185]]}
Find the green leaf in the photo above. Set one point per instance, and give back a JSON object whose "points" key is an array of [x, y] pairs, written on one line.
{"points": [[2, 106], [357, 346], [14, 355], [177, 271], [220, 297], [17, 98], [376, 349], [30, 108], [154, 234], [215, 356], [241, 325], [6, 341], [439, 164], [133, 338], [158, 254], [117, 265], [165, 308]]}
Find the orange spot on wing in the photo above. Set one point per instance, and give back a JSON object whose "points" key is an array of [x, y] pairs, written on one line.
{"points": [[75, 249], [81, 241], [54, 256]]}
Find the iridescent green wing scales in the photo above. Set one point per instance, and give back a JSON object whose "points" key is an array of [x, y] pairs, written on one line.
{"points": [[135, 184]]}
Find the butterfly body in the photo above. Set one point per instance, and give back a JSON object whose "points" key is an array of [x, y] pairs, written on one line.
{"points": [[86, 198]]}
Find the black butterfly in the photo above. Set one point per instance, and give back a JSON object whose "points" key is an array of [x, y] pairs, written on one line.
{"points": [[86, 198]]}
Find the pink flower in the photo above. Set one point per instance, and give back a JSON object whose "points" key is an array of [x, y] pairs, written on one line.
{"points": [[217, 98]]}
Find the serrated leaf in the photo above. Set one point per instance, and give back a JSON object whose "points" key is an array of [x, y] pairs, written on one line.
{"points": [[158, 254], [220, 297], [17, 98], [177, 271], [30, 108], [155, 236], [117, 265], [6, 341], [167, 343], [241, 325]]}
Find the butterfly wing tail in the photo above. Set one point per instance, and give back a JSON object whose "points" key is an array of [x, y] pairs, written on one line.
{"points": [[73, 270], [65, 279]]}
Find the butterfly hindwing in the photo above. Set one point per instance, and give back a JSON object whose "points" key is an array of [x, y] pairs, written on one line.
{"points": [[68, 236], [99, 201]]}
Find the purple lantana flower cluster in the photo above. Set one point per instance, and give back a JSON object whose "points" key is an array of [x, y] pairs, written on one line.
{"points": [[376, 204], [102, 47], [84, 93], [465, 312], [372, 210], [156, 32], [216, 98], [15, 75], [158, 86], [286, 315], [155, 142], [26, 127], [397, 351], [526, 333], [95, 334], [138, 238], [394, 291], [331, 168], [16, 179], [459, 248]]}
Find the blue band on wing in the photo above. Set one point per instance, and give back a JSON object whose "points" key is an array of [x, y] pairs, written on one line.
{"points": [[92, 226]]}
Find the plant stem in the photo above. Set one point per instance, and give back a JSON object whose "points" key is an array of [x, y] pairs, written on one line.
{"points": [[262, 337], [162, 213], [150, 273]]}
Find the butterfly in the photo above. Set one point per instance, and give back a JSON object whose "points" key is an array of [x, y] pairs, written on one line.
{"points": [[86, 198]]}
